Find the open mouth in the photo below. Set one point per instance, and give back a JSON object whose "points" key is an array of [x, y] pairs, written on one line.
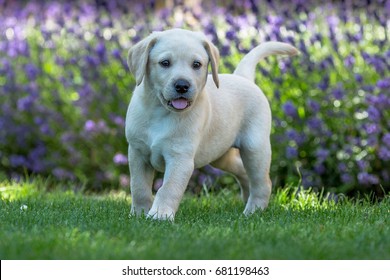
{"points": [[179, 103]]}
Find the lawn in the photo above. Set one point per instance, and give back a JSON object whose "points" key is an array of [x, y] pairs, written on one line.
{"points": [[37, 223]]}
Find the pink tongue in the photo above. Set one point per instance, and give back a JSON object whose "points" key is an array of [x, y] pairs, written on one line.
{"points": [[180, 103]]}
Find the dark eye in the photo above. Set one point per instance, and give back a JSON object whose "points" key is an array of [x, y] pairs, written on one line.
{"points": [[165, 63], [196, 65]]}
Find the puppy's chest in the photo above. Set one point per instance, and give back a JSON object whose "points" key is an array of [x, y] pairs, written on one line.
{"points": [[153, 142]]}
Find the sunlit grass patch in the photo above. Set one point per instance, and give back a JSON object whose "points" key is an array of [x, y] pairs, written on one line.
{"points": [[12, 190]]}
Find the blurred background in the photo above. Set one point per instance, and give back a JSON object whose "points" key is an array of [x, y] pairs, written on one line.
{"points": [[65, 87]]}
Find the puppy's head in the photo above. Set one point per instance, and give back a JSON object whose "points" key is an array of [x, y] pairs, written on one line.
{"points": [[174, 64]]}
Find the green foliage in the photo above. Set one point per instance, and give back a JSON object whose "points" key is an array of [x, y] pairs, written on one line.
{"points": [[65, 86]]}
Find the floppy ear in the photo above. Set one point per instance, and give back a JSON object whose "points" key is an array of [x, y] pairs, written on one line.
{"points": [[138, 56], [213, 54]]}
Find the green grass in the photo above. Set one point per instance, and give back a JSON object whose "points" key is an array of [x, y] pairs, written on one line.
{"points": [[64, 225]]}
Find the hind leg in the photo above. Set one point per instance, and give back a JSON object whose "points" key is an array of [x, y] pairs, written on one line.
{"points": [[256, 157], [232, 163]]}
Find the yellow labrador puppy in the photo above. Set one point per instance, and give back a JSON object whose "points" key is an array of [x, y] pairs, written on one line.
{"points": [[180, 118]]}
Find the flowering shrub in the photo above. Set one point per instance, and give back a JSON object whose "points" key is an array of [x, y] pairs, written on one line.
{"points": [[65, 86]]}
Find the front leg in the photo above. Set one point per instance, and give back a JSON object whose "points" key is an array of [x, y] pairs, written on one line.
{"points": [[142, 174], [177, 174]]}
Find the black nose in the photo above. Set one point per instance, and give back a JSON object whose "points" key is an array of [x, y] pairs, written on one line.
{"points": [[182, 86]]}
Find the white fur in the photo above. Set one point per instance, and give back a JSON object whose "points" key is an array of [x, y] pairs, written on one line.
{"points": [[227, 124]]}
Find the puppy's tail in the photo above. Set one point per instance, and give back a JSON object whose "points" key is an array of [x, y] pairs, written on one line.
{"points": [[247, 66]]}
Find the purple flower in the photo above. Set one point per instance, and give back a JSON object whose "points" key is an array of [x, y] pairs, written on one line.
{"points": [[275, 20], [313, 105], [372, 140], [383, 101], [383, 84], [89, 126], [118, 120], [342, 167], [324, 84], [302, 46], [372, 99], [231, 35], [386, 139], [285, 65], [61, 173], [124, 180], [368, 88], [333, 21], [31, 71], [372, 128], [102, 126], [346, 178], [292, 134], [213, 171], [373, 114], [25, 103], [349, 61], [362, 164], [291, 152], [101, 50], [60, 61], [322, 154], [367, 179], [68, 137], [225, 50], [319, 168], [17, 161], [318, 37], [309, 178], [365, 56], [384, 153], [120, 159], [338, 92], [45, 129], [314, 123], [92, 61], [358, 78], [22, 48], [290, 110], [379, 65], [116, 53], [36, 159], [86, 91], [203, 179], [37, 152], [295, 136]]}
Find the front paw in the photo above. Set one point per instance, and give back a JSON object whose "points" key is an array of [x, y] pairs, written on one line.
{"points": [[254, 205], [162, 214], [139, 211]]}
